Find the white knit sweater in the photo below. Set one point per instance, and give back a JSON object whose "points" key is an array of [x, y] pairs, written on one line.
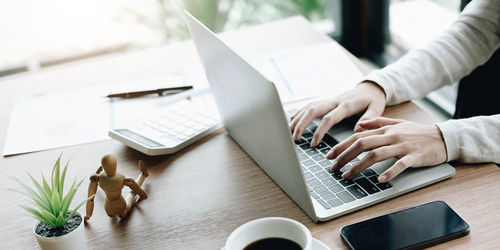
{"points": [[468, 43]]}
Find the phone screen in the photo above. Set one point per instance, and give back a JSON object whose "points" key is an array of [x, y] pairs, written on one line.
{"points": [[415, 227]]}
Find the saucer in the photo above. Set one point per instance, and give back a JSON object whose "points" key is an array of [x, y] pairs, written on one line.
{"points": [[318, 245]]}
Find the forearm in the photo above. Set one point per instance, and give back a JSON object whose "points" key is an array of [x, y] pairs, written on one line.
{"points": [[472, 140], [468, 43]]}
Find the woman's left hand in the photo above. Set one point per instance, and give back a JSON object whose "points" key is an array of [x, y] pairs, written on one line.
{"points": [[415, 145]]}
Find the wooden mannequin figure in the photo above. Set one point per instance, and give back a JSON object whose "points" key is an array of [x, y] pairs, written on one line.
{"points": [[112, 182]]}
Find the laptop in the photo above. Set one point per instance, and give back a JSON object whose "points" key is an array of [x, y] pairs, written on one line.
{"points": [[254, 116]]}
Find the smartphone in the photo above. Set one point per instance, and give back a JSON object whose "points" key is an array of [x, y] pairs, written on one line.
{"points": [[413, 228]]}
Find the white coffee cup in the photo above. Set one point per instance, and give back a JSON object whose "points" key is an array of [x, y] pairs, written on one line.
{"points": [[270, 227]]}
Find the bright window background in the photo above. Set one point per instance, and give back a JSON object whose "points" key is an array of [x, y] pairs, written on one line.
{"points": [[37, 33], [413, 23]]}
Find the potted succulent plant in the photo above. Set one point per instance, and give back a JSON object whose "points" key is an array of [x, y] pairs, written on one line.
{"points": [[57, 226]]}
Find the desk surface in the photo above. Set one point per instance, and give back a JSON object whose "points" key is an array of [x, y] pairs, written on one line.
{"points": [[202, 193]]}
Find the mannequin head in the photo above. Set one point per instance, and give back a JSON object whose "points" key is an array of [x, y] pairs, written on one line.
{"points": [[108, 163]]}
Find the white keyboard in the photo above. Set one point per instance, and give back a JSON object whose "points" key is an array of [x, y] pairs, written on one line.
{"points": [[174, 127]]}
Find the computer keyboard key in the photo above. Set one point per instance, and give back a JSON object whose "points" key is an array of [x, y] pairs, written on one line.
{"points": [[308, 176], [181, 137], [357, 191], [345, 196], [313, 182], [320, 189], [318, 157], [198, 127], [366, 185], [368, 172], [300, 141], [189, 132], [329, 140], [325, 151], [208, 122], [329, 182], [312, 152], [305, 146], [373, 179], [327, 195], [329, 170], [308, 163], [337, 175], [322, 175], [325, 163], [314, 195], [304, 170], [334, 202], [384, 185], [315, 169], [312, 127], [321, 145], [324, 204], [303, 157], [307, 135], [336, 188], [346, 182]]}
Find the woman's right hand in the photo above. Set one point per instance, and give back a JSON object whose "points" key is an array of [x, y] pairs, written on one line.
{"points": [[367, 96]]}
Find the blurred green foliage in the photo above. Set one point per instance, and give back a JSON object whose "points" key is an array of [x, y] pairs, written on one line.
{"points": [[219, 15]]}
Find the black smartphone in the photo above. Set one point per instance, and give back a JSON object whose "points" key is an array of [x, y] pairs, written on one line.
{"points": [[413, 228]]}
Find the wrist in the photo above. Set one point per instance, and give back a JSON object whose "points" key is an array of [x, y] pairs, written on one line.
{"points": [[375, 87]]}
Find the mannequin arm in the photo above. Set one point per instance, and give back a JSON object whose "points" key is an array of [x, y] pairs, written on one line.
{"points": [[136, 189], [94, 180]]}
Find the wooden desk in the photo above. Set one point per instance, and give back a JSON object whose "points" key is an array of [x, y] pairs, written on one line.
{"points": [[202, 193]]}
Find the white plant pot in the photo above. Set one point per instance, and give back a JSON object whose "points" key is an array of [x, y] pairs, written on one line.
{"points": [[75, 240]]}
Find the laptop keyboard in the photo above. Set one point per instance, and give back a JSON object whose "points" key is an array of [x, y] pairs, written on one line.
{"points": [[327, 187]]}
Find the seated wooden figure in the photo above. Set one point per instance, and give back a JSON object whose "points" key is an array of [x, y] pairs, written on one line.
{"points": [[112, 183]]}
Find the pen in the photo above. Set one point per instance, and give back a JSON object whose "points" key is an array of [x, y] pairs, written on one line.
{"points": [[160, 92]]}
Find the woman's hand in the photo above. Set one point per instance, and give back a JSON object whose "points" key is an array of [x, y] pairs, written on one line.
{"points": [[415, 145], [367, 96]]}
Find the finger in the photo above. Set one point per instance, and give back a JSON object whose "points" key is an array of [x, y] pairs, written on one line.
{"points": [[342, 146], [398, 167], [296, 119], [330, 119], [300, 111], [312, 112], [376, 155], [378, 122], [303, 122], [361, 145], [371, 112]]}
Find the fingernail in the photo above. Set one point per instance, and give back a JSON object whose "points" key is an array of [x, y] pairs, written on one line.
{"points": [[382, 178], [330, 153], [346, 175], [334, 166], [313, 142]]}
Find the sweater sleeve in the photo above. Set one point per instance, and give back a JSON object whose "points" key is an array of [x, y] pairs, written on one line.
{"points": [[468, 43], [472, 140]]}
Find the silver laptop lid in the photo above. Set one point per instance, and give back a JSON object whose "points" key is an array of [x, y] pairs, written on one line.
{"points": [[252, 112]]}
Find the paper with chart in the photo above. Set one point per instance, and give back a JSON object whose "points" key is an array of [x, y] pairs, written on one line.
{"points": [[321, 70], [54, 120]]}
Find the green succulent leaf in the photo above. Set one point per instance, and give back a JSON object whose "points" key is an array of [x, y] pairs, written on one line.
{"points": [[42, 195], [55, 175], [51, 204], [61, 187], [34, 212]]}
